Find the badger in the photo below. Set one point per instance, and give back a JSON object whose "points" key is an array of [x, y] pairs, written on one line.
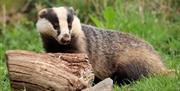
{"points": [[120, 56]]}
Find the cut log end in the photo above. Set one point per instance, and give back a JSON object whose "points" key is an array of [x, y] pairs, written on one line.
{"points": [[49, 71]]}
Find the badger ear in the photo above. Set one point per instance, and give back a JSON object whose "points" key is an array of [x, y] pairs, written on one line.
{"points": [[72, 10], [42, 13]]}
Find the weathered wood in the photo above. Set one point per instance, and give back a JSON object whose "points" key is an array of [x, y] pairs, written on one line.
{"points": [[49, 72]]}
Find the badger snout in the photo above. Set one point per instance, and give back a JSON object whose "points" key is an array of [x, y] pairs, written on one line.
{"points": [[65, 39]]}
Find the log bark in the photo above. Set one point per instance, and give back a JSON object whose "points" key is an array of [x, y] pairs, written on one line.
{"points": [[48, 71]]}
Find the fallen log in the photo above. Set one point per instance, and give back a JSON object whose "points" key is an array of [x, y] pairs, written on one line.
{"points": [[48, 72]]}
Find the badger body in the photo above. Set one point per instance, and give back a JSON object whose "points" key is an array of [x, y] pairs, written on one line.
{"points": [[118, 55]]}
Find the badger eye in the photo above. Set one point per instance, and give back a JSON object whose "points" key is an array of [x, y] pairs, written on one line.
{"points": [[69, 26], [56, 25], [69, 19]]}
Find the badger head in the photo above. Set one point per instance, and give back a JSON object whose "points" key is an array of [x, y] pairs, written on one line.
{"points": [[61, 23]]}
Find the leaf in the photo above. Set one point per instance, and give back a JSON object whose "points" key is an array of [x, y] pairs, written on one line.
{"points": [[96, 21], [109, 14]]}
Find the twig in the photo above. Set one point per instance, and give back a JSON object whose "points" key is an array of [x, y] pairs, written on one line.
{"points": [[4, 16]]}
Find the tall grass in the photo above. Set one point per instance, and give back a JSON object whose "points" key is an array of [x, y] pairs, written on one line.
{"points": [[145, 24]]}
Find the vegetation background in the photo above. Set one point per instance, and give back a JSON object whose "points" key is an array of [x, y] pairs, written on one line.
{"points": [[156, 21]]}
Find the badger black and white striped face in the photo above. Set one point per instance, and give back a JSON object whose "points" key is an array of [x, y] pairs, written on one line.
{"points": [[58, 22]]}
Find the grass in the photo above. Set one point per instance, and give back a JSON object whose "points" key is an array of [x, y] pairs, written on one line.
{"points": [[21, 36], [162, 33], [157, 83]]}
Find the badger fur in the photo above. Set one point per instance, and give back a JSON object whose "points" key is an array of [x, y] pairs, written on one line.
{"points": [[118, 55]]}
